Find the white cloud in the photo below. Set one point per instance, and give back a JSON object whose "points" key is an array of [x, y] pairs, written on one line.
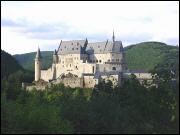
{"points": [[131, 20]]}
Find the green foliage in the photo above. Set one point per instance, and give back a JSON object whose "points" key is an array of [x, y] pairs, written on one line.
{"points": [[147, 55], [27, 60], [131, 108], [12, 71], [8, 64]]}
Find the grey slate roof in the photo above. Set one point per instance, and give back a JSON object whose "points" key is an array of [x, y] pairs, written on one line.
{"points": [[104, 47], [71, 47], [82, 46]]}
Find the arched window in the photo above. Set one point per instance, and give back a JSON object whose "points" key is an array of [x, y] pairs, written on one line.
{"points": [[113, 68], [99, 61]]}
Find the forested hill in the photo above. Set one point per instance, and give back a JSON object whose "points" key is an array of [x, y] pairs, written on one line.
{"points": [[147, 55], [27, 59], [9, 65], [144, 56]]}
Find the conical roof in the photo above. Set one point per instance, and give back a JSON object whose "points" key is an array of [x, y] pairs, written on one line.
{"points": [[38, 55]]}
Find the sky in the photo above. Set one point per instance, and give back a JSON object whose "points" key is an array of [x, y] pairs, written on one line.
{"points": [[29, 24]]}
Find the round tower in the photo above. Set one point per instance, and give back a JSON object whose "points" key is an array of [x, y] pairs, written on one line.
{"points": [[38, 65]]}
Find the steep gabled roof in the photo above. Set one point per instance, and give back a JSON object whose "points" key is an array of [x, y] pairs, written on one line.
{"points": [[71, 47], [104, 47]]}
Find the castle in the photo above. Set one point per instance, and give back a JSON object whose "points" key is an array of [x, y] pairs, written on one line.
{"points": [[78, 63]]}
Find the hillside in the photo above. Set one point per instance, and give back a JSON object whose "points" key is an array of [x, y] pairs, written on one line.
{"points": [[9, 65], [147, 55], [142, 56], [27, 60]]}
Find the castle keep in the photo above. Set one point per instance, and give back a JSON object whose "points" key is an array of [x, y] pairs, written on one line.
{"points": [[78, 63]]}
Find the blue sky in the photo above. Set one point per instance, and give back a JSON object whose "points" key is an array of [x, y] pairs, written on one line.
{"points": [[25, 25]]}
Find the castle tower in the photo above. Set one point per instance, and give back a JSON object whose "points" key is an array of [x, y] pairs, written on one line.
{"points": [[38, 65]]}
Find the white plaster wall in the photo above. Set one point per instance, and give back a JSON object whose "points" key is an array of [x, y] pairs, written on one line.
{"points": [[46, 75]]}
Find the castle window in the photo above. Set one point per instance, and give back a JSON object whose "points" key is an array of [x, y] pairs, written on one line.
{"points": [[71, 43], [96, 61], [113, 68], [98, 46], [108, 60], [99, 61], [117, 59], [77, 43], [70, 65], [76, 48]]}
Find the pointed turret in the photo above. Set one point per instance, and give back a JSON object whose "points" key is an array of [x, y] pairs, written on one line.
{"points": [[55, 52], [55, 57], [113, 37], [38, 54]]}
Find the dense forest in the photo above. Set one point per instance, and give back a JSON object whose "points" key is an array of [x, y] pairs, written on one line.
{"points": [[141, 56], [11, 69], [146, 55], [132, 108]]}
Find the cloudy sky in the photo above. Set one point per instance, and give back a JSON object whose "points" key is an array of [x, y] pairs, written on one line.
{"points": [[25, 25]]}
